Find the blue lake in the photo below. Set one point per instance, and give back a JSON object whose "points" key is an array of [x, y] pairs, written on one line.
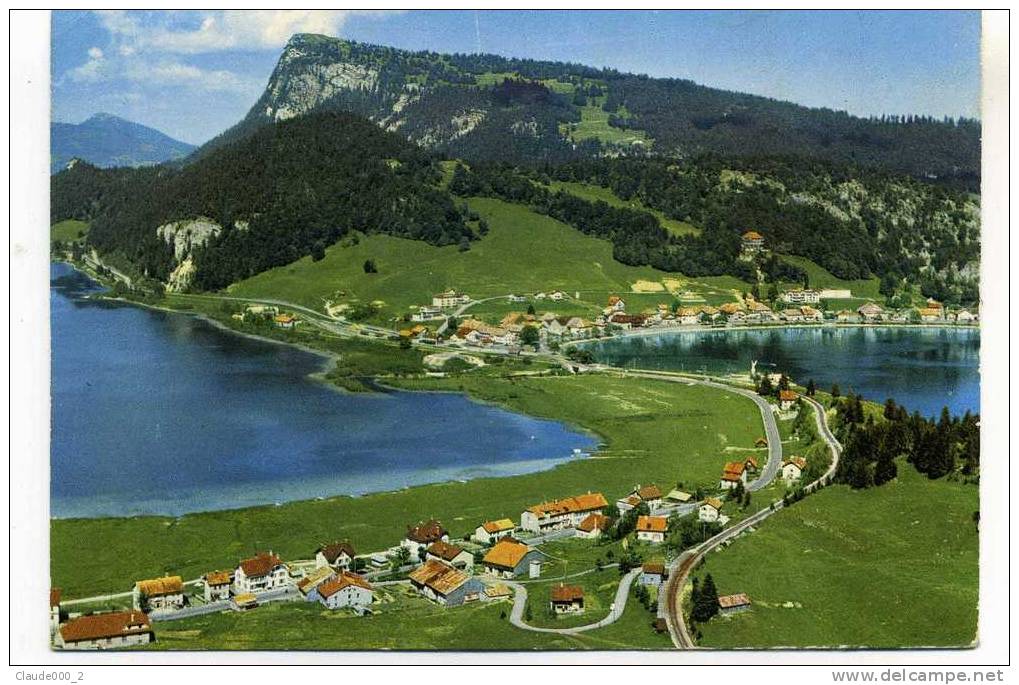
{"points": [[156, 413], [922, 368]]}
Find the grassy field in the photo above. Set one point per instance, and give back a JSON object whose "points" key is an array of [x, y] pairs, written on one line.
{"points": [[599, 590], [68, 230], [594, 123], [892, 566], [652, 431], [523, 252], [594, 193]]}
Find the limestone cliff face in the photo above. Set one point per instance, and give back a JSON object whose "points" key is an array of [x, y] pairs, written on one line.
{"points": [[293, 92], [188, 234]]}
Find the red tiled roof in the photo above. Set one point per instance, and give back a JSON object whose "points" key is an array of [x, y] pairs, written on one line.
{"points": [[444, 550], [654, 567], [571, 505], [345, 579], [259, 565], [594, 522], [506, 554], [787, 395], [332, 551], [100, 626], [567, 593], [426, 532], [733, 470], [652, 524]]}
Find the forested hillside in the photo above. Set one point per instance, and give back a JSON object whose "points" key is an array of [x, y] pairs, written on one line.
{"points": [[491, 108], [281, 193]]}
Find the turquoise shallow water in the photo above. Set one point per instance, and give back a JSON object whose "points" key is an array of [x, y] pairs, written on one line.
{"points": [[165, 413], [922, 368]]}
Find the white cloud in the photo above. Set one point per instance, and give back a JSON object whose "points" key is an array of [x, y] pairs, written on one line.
{"points": [[94, 68], [227, 29], [171, 73]]}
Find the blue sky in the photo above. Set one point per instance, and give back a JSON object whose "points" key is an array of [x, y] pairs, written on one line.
{"points": [[192, 74]]}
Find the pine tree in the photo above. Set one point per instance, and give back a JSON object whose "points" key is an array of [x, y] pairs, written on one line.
{"points": [[706, 604], [811, 388]]}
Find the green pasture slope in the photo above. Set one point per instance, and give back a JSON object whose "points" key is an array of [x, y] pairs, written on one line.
{"points": [[68, 230], [891, 566], [652, 431], [523, 252]]}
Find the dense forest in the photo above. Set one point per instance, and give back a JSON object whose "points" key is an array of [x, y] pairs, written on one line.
{"points": [[852, 220], [947, 447], [281, 193]]}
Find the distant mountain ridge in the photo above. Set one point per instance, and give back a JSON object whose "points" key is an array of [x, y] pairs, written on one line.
{"points": [[492, 108], [106, 140]]}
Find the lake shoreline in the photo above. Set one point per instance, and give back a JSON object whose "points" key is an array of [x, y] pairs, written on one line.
{"points": [[383, 386]]}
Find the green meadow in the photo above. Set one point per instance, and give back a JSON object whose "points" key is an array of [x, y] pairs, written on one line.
{"points": [[651, 431], [891, 566], [523, 253], [594, 123], [68, 230]]}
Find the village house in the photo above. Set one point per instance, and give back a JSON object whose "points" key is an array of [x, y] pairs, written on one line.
{"points": [[216, 585], [792, 468], [801, 296], [422, 535], [652, 528], [159, 593], [557, 296], [261, 573], [516, 298], [567, 599], [677, 496], [787, 399], [245, 602], [285, 321], [752, 242], [811, 314], [628, 321], [934, 304], [492, 531], [116, 629], [964, 316], [750, 464], [931, 314], [709, 510], [449, 299], [426, 313], [792, 315], [650, 495], [652, 573], [846, 316], [316, 577], [498, 591], [593, 526], [444, 585], [871, 312], [733, 472], [688, 316], [337, 554], [733, 604], [564, 513], [345, 589], [457, 557], [617, 304], [509, 558]]}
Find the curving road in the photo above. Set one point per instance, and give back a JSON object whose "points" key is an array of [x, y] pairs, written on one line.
{"points": [[618, 606], [682, 566]]}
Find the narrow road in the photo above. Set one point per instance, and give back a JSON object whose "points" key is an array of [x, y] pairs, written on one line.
{"points": [[682, 566], [618, 606]]}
